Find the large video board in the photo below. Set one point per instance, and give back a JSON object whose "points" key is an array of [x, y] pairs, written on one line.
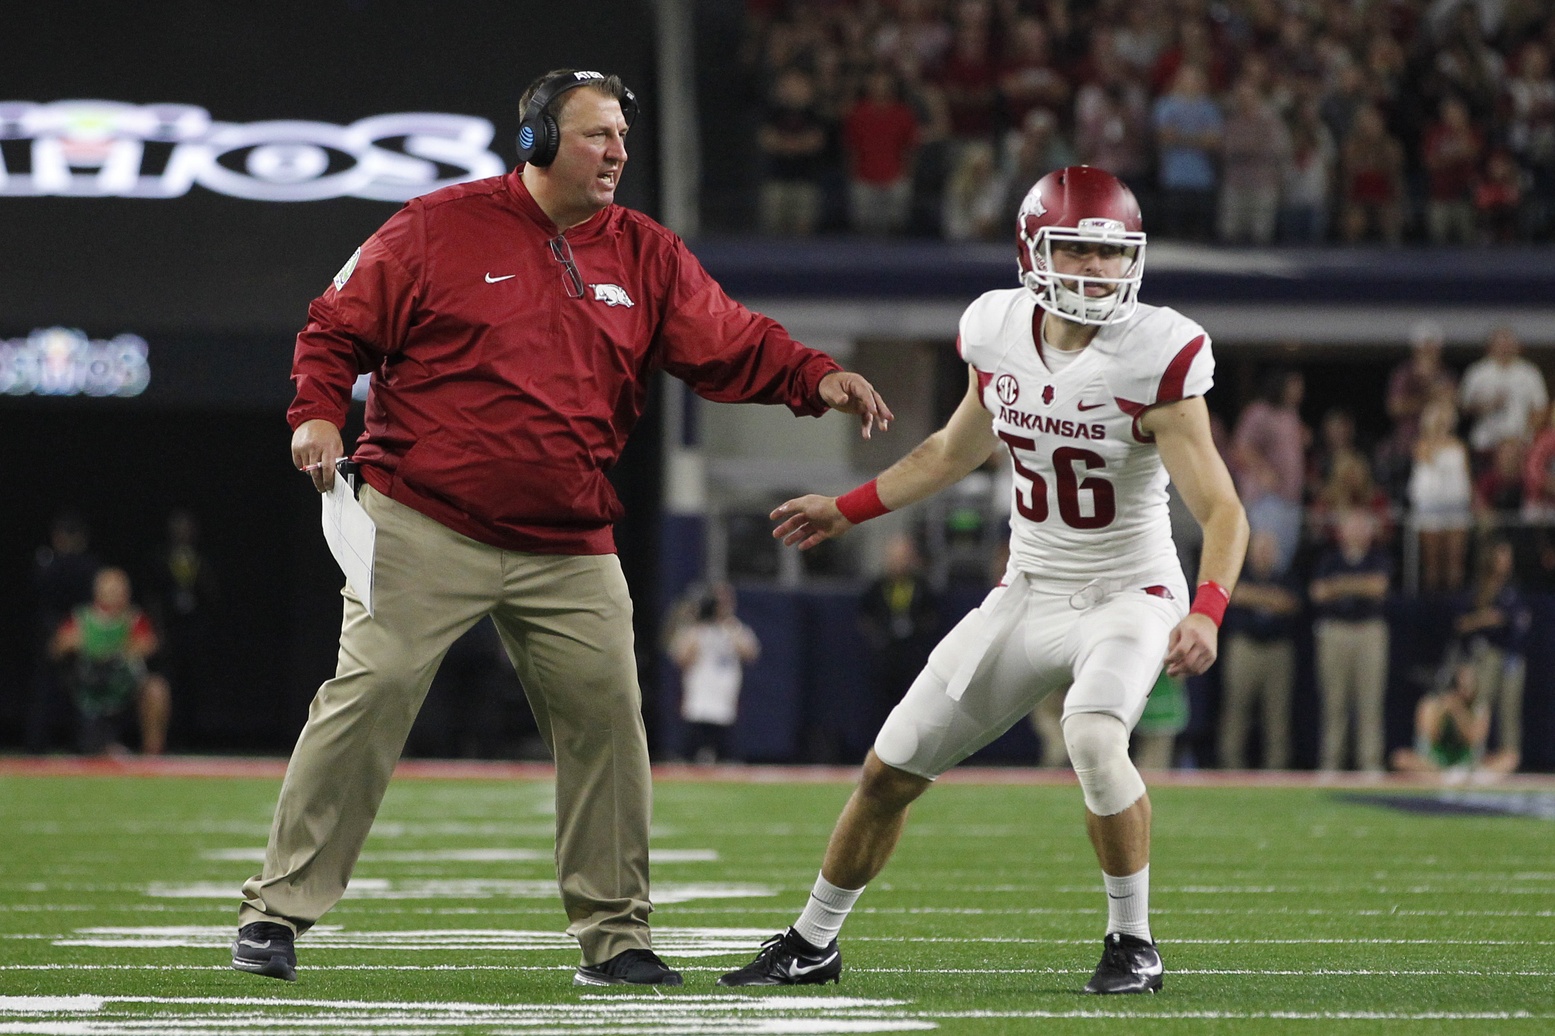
{"points": [[177, 180]]}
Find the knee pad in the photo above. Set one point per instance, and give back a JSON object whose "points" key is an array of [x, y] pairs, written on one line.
{"points": [[1098, 750]]}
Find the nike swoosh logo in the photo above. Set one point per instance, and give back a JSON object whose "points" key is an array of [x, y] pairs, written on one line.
{"points": [[505, 277], [795, 971], [1088, 406], [256, 945]]}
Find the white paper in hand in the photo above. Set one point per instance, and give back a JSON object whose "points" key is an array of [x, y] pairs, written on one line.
{"points": [[350, 534]]}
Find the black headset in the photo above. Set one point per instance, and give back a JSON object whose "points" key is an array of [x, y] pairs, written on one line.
{"points": [[538, 137]]}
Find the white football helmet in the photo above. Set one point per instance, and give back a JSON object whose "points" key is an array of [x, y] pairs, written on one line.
{"points": [[1089, 205]]}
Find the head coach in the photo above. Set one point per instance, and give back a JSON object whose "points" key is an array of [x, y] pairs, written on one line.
{"points": [[510, 326]]}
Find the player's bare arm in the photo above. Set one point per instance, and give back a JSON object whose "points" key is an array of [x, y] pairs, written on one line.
{"points": [[941, 460], [1182, 434], [852, 394]]}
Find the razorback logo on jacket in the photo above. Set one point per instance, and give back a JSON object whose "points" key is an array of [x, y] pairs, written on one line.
{"points": [[612, 295]]}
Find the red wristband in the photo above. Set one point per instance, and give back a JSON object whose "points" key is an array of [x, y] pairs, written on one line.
{"points": [[861, 504], [1211, 599]]}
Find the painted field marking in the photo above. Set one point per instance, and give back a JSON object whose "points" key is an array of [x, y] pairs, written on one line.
{"points": [[89, 1014], [673, 941], [474, 888], [256, 854], [684, 941], [852, 969], [1309, 1016], [731, 1014]]}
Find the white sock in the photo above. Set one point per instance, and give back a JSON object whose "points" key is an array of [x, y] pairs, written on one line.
{"points": [[1128, 904], [823, 915]]}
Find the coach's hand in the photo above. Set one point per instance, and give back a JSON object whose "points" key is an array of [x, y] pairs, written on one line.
{"points": [[315, 448], [850, 393], [1193, 646], [807, 520]]}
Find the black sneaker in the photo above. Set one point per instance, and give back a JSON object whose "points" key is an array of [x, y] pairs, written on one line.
{"points": [[788, 960], [1128, 965], [266, 948], [627, 968]]}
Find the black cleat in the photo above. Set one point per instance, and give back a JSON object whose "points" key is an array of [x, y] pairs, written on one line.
{"points": [[787, 960], [266, 948], [627, 968], [1128, 965]]}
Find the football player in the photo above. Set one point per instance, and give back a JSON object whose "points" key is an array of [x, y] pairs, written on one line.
{"points": [[1099, 399]]}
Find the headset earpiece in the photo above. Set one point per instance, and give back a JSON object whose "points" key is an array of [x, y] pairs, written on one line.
{"points": [[538, 135]]}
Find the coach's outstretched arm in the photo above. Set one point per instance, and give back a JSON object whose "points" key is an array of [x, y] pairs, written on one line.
{"points": [[1182, 434], [941, 460]]}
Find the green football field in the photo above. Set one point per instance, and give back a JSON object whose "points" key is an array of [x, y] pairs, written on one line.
{"points": [[1278, 909]]}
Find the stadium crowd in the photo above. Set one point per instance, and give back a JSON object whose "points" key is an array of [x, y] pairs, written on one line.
{"points": [[1240, 121]]}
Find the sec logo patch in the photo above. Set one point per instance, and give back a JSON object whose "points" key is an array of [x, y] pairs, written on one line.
{"points": [[1007, 389]]}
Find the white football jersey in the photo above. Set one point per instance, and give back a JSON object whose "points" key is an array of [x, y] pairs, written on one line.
{"points": [[1090, 488]]}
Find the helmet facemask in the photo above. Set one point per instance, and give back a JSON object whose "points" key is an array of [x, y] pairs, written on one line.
{"points": [[1065, 295]]}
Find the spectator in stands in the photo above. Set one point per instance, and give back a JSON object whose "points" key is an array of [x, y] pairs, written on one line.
{"points": [[935, 154], [1194, 45], [918, 32], [62, 576], [1440, 498], [1255, 150], [1307, 180], [793, 144], [1451, 726], [1502, 393], [1498, 489], [1349, 486], [1372, 181], [1498, 200], [1188, 130], [1153, 744], [1451, 153], [1539, 475], [1339, 104], [976, 206], [1492, 626], [712, 650], [1267, 459], [1293, 50], [1335, 440], [1348, 590], [1411, 385], [1112, 126], [1259, 663], [1029, 77], [1538, 506], [881, 134], [1032, 151], [1529, 102], [108, 642], [900, 619], [1464, 64], [181, 595], [970, 82], [1142, 38]]}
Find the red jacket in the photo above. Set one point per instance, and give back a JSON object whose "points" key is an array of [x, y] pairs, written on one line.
{"points": [[499, 402]]}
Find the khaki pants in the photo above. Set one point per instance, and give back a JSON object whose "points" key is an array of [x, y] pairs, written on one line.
{"points": [[1352, 675], [1501, 678], [1257, 674], [566, 622]]}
